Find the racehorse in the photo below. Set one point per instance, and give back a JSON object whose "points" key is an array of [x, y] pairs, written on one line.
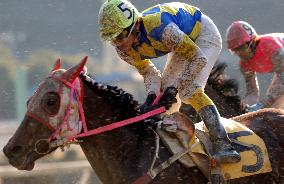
{"points": [[123, 154]]}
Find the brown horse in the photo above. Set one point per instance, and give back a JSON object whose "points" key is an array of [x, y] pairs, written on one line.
{"points": [[124, 154]]}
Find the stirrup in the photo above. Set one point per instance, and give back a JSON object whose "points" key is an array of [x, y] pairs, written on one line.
{"points": [[231, 156]]}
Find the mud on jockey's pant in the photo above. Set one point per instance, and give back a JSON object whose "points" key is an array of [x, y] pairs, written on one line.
{"points": [[178, 71]]}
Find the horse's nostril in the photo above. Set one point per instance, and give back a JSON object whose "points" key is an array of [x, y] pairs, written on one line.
{"points": [[16, 149], [8, 150]]}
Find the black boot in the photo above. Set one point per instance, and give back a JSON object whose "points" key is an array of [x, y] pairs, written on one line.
{"points": [[223, 150]]}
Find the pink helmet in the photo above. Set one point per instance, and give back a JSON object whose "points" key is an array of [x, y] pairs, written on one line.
{"points": [[238, 33]]}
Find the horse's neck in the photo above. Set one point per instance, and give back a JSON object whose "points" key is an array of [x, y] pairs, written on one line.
{"points": [[114, 154]]}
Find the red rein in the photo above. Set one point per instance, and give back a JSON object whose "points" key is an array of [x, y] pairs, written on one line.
{"points": [[87, 132]]}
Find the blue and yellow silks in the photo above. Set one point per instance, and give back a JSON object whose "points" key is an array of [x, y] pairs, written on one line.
{"points": [[153, 22]]}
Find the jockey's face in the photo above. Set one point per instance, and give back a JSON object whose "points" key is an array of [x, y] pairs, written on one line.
{"points": [[244, 52], [123, 41]]}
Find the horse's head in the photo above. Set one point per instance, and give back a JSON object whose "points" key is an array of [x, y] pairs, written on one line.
{"points": [[50, 113]]}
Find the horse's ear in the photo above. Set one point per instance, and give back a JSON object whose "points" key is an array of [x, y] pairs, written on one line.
{"points": [[71, 74], [57, 65]]}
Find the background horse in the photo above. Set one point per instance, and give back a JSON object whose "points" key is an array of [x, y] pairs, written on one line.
{"points": [[124, 154], [223, 90]]}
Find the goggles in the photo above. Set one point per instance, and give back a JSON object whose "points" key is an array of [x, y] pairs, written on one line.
{"points": [[242, 48]]}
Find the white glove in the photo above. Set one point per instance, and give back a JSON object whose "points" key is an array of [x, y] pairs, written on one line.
{"points": [[254, 107]]}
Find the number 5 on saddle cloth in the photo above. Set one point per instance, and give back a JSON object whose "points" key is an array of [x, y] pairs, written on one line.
{"points": [[254, 155]]}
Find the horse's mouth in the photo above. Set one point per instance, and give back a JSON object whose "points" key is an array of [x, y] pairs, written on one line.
{"points": [[27, 163], [27, 167]]}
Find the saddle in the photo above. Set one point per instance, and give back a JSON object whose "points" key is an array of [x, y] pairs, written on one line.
{"points": [[254, 155]]}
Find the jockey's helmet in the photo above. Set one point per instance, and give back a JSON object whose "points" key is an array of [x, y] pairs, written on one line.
{"points": [[239, 33], [114, 17]]}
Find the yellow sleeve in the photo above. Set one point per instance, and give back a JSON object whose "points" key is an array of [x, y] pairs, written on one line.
{"points": [[151, 75], [179, 42]]}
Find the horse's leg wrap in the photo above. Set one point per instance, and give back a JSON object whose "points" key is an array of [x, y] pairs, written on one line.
{"points": [[223, 151]]}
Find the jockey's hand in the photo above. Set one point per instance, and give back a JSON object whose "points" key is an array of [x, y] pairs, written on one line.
{"points": [[146, 106], [254, 107], [168, 98]]}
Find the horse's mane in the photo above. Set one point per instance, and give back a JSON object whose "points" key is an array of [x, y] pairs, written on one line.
{"points": [[221, 82], [123, 103], [117, 97], [127, 105]]}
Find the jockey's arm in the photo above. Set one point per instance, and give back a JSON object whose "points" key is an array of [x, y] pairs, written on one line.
{"points": [[277, 86], [252, 87], [151, 75], [184, 47]]}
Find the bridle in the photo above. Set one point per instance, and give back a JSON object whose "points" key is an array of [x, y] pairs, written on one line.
{"points": [[56, 140]]}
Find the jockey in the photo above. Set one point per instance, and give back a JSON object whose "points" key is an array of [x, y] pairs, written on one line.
{"points": [[192, 42], [262, 54]]}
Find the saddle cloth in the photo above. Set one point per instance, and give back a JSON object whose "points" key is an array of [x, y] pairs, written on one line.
{"points": [[254, 155]]}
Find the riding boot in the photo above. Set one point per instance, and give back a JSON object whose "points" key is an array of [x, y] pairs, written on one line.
{"points": [[222, 148]]}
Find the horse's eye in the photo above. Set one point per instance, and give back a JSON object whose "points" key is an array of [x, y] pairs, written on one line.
{"points": [[50, 103]]}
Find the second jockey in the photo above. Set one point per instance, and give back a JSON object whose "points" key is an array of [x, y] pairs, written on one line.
{"points": [[258, 54]]}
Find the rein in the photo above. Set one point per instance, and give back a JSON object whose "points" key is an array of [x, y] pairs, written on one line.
{"points": [[55, 140], [119, 124]]}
